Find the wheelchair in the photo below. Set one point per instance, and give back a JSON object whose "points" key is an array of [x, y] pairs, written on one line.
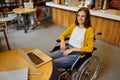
{"points": [[86, 67]]}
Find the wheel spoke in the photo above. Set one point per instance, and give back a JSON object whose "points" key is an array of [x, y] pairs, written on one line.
{"points": [[90, 69]]}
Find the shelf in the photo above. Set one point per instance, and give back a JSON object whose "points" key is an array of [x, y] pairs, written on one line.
{"points": [[8, 3]]}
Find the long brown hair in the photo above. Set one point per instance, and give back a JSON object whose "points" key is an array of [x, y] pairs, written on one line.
{"points": [[87, 20]]}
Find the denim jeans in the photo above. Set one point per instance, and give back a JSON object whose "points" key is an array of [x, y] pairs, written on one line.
{"points": [[32, 18], [61, 61], [22, 19]]}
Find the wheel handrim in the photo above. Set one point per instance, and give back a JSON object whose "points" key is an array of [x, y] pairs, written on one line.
{"points": [[91, 70]]}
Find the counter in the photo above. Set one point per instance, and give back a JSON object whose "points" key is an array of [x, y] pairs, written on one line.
{"points": [[105, 21], [110, 14]]}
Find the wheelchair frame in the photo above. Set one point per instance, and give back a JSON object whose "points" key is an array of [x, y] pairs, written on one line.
{"points": [[80, 70]]}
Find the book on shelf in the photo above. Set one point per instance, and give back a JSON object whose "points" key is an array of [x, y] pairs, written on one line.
{"points": [[7, 1]]}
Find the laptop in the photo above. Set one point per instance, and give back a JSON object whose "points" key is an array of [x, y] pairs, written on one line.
{"points": [[35, 57]]}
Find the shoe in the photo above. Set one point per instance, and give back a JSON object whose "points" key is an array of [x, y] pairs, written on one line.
{"points": [[38, 22], [32, 27]]}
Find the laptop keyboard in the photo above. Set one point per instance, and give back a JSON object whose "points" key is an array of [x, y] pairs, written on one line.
{"points": [[34, 58]]}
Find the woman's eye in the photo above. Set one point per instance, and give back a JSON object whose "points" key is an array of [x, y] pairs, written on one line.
{"points": [[81, 16]]}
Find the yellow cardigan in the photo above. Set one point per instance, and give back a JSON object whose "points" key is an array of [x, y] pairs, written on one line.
{"points": [[88, 38]]}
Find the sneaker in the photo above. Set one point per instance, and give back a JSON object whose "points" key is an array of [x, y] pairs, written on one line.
{"points": [[32, 27], [38, 22]]}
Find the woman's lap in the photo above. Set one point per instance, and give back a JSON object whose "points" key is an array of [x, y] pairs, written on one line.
{"points": [[66, 60], [61, 61], [56, 55]]}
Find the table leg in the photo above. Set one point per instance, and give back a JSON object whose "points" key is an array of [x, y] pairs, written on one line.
{"points": [[6, 38], [27, 23]]}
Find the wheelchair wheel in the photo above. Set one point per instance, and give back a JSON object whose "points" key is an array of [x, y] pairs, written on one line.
{"points": [[88, 70], [63, 76]]}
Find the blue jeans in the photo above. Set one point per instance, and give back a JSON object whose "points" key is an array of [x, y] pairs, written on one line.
{"points": [[22, 19], [61, 61], [32, 18]]}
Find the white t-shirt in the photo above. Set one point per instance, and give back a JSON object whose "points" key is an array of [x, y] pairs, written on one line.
{"points": [[77, 37]]}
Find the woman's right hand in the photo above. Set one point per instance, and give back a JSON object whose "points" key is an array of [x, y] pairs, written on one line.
{"points": [[62, 46]]}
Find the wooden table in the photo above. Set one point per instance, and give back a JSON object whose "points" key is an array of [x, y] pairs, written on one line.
{"points": [[12, 60], [26, 12]]}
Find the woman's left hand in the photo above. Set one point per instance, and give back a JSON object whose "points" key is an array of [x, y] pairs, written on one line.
{"points": [[68, 51]]}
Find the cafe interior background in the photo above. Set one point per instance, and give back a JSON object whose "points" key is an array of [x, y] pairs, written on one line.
{"points": [[58, 15]]}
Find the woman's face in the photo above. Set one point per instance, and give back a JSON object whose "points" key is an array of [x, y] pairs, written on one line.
{"points": [[81, 17]]}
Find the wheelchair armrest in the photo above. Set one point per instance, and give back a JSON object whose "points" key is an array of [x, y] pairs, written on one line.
{"points": [[57, 48], [94, 48], [98, 33], [67, 38]]}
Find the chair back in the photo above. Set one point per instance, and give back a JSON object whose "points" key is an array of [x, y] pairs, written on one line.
{"points": [[3, 11]]}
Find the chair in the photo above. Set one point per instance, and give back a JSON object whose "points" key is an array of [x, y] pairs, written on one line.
{"points": [[6, 38], [85, 67], [6, 17]]}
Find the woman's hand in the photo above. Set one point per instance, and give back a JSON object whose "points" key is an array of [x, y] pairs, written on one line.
{"points": [[68, 51], [62, 46]]}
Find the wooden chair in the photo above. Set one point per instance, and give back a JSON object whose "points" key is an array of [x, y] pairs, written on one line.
{"points": [[4, 18], [6, 38]]}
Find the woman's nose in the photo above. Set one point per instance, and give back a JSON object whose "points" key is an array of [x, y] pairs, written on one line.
{"points": [[79, 17]]}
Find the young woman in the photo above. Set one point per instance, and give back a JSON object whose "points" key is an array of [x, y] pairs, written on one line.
{"points": [[81, 40]]}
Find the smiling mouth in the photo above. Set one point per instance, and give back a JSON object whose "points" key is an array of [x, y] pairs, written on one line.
{"points": [[80, 20]]}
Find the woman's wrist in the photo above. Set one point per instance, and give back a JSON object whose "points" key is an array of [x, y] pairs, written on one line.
{"points": [[72, 50], [75, 49]]}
